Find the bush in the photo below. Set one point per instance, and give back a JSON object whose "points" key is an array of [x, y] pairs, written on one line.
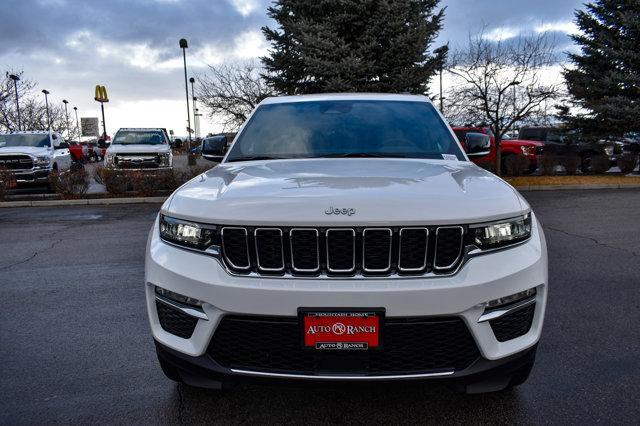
{"points": [[516, 165], [70, 184], [115, 181], [548, 164], [145, 184], [628, 162], [7, 182], [600, 164], [570, 163]]}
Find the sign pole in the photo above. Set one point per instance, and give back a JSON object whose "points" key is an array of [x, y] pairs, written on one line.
{"points": [[104, 124]]}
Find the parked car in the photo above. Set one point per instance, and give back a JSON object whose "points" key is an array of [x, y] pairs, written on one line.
{"points": [[530, 149], [77, 152], [32, 155], [563, 142], [346, 238], [140, 148]]}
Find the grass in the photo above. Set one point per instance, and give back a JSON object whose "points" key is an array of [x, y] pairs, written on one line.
{"points": [[612, 179]]}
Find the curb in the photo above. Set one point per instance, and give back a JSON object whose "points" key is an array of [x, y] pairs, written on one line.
{"points": [[85, 202], [576, 187]]}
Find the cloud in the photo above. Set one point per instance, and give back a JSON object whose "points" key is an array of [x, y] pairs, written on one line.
{"points": [[245, 7]]}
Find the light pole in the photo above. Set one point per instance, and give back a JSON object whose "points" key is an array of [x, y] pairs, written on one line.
{"points": [[196, 118], [66, 113], [77, 125], [193, 96], [184, 46], [46, 105], [16, 79]]}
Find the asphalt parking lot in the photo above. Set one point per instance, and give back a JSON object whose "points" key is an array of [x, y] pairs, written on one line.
{"points": [[75, 344]]}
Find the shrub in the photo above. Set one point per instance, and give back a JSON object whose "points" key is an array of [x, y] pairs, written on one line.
{"points": [[70, 184], [146, 183], [516, 165], [548, 164], [600, 164], [7, 182], [115, 181], [570, 163], [628, 162]]}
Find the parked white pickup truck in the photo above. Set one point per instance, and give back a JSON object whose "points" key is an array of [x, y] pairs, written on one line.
{"points": [[140, 148], [32, 155]]}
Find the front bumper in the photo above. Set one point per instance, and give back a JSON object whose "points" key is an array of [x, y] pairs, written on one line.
{"points": [[35, 176], [462, 296]]}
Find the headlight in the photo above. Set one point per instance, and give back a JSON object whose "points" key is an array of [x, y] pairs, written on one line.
{"points": [[42, 161], [608, 150], [503, 233], [188, 234], [109, 159], [165, 159], [527, 150]]}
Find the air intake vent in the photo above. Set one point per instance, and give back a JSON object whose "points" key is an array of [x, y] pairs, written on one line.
{"points": [[269, 251], [448, 246], [376, 250], [341, 250], [305, 253], [413, 249], [236, 247]]}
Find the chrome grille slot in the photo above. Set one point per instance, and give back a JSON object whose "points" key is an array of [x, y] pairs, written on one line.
{"points": [[269, 252], [413, 248], [16, 162], [235, 248], [449, 243], [376, 249], [305, 250], [341, 250]]}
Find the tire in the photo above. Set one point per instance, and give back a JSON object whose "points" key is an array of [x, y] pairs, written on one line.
{"points": [[585, 166]]}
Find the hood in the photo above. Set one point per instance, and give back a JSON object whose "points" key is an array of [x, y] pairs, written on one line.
{"points": [[31, 150], [137, 148], [375, 192]]}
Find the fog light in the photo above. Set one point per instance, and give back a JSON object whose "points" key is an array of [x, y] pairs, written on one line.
{"points": [[507, 300], [179, 297]]}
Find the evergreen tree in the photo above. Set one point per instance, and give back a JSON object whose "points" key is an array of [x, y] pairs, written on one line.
{"points": [[352, 45], [605, 82]]}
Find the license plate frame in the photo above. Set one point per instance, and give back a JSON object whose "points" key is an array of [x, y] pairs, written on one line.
{"points": [[337, 314]]}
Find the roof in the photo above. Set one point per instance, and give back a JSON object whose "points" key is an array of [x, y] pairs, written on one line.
{"points": [[31, 132], [134, 129], [345, 97]]}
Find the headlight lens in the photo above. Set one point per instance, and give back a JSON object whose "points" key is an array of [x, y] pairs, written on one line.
{"points": [[42, 161], [608, 150], [188, 234], [527, 150], [165, 159], [502, 233], [109, 159]]}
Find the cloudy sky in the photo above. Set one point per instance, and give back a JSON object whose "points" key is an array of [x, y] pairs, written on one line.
{"points": [[131, 46]]}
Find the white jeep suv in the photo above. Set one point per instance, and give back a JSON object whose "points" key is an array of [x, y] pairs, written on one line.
{"points": [[347, 238], [32, 155]]}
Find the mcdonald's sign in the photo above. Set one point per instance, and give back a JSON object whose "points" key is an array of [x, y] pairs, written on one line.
{"points": [[101, 94]]}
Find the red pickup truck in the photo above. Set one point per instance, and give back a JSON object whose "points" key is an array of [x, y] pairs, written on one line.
{"points": [[532, 149]]}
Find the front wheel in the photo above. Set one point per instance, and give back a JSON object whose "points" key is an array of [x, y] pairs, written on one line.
{"points": [[585, 166]]}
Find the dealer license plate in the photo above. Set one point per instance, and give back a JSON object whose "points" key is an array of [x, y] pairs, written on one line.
{"points": [[342, 330]]}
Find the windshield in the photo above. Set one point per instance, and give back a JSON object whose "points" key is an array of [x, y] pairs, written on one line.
{"points": [[139, 137], [35, 140], [345, 128]]}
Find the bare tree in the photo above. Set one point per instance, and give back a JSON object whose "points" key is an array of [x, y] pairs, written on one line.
{"points": [[501, 83], [230, 92]]}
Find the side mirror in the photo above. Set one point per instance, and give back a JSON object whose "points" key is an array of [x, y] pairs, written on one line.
{"points": [[477, 144], [62, 145], [213, 149]]}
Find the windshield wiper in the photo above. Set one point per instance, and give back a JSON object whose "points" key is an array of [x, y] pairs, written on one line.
{"points": [[254, 158], [363, 155]]}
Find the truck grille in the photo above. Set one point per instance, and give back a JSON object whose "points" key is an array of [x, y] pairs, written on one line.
{"points": [[342, 251], [16, 162], [410, 346], [137, 161]]}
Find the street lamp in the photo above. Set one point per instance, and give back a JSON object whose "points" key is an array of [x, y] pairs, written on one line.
{"points": [[193, 96], [77, 125], [16, 79], [184, 46], [196, 119], [46, 105], [66, 113]]}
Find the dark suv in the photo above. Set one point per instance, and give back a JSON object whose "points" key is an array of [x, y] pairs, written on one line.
{"points": [[563, 142]]}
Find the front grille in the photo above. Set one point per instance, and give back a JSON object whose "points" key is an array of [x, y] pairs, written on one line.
{"points": [[137, 161], [16, 162], [174, 321], [342, 251], [410, 346], [513, 325]]}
